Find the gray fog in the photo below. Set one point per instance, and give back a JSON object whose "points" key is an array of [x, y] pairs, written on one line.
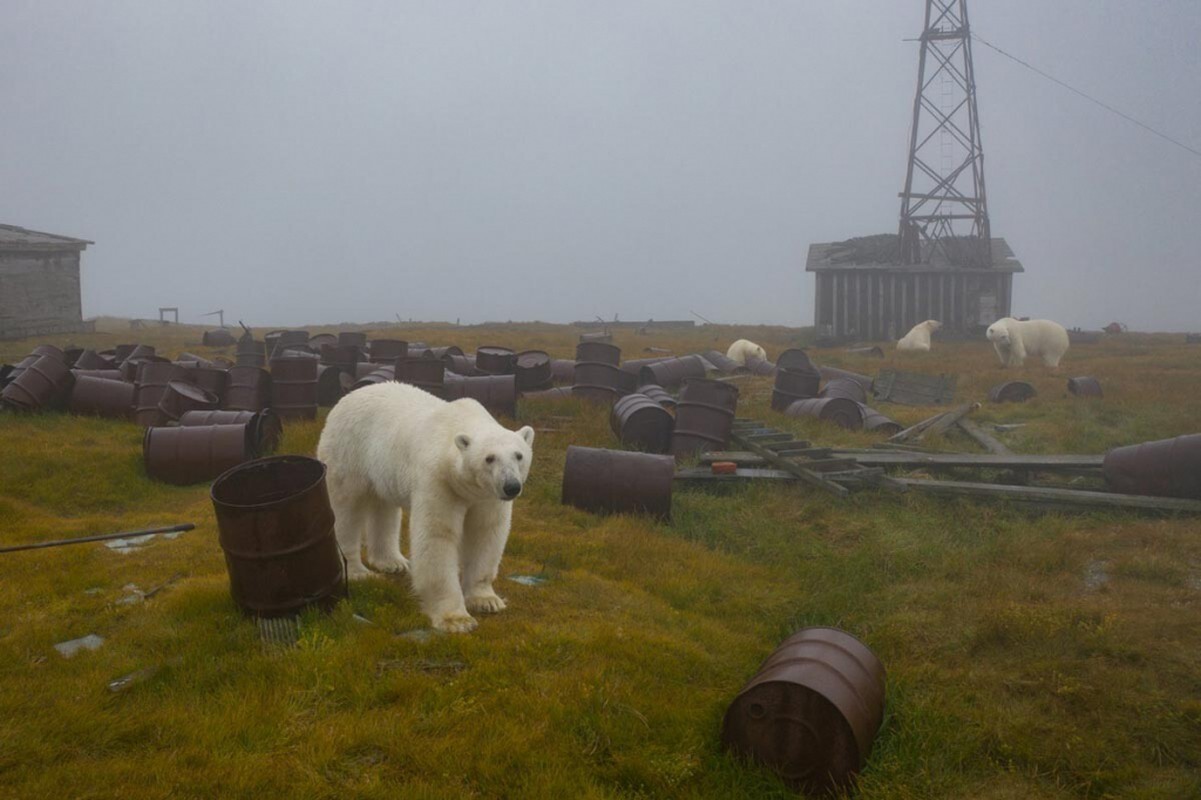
{"points": [[305, 162]]}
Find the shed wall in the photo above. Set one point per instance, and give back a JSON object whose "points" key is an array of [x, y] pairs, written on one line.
{"points": [[39, 294]]}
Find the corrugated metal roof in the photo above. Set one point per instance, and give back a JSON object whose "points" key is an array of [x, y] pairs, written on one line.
{"points": [[833, 256], [13, 237]]}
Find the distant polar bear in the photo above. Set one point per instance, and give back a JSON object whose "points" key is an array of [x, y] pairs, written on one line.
{"points": [[918, 337], [451, 466], [743, 349], [1015, 339]]}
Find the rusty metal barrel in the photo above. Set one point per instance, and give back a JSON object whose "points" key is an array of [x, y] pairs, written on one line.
{"points": [[332, 383], [355, 339], [830, 373], [634, 365], [181, 397], [704, 416], [441, 351], [812, 712], [844, 387], [276, 528], [294, 387], [250, 353], [321, 340], [842, 412], [671, 373], [553, 393], [873, 420], [497, 393], [195, 454], [722, 363], [43, 384], [1011, 392], [641, 423], [872, 351], [757, 366], [51, 351], [618, 482], [1164, 468], [461, 365], [104, 374], [212, 379], [792, 384], [658, 394], [151, 382], [342, 356], [598, 352], [381, 374], [1084, 386], [597, 381], [562, 370], [90, 359], [533, 370], [136, 352], [264, 427], [386, 351], [247, 389], [794, 358], [424, 373], [599, 336], [101, 397], [493, 360]]}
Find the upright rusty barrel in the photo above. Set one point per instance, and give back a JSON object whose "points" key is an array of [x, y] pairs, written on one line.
{"points": [[355, 339], [332, 383], [842, 412], [794, 358], [247, 389], [792, 384], [641, 423], [1084, 386], [844, 387], [1165, 468], [264, 427], [424, 373], [704, 416], [671, 373], [250, 353], [597, 381], [497, 393], [617, 482], [562, 370], [152, 380], [598, 352], [294, 387], [45, 383], [1011, 392], [276, 528], [533, 371], [101, 397], [812, 712], [495, 360], [195, 454], [458, 364], [386, 351]]}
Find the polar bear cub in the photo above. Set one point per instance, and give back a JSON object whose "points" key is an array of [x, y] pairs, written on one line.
{"points": [[918, 337], [743, 349], [1015, 339], [453, 467]]}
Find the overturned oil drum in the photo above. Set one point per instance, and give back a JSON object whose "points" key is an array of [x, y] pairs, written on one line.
{"points": [[494, 360], [597, 381], [553, 393], [1165, 468], [104, 374], [618, 482], [812, 712], [634, 365], [830, 373], [332, 383], [152, 380], [218, 337], [533, 370], [181, 397], [264, 427], [211, 379], [294, 387], [131, 367], [842, 412], [441, 351], [658, 394], [195, 454], [386, 351], [101, 397], [1011, 392], [874, 421], [704, 416], [799, 383], [54, 352], [460, 365], [871, 352], [1084, 387], [721, 362], [757, 366], [641, 423], [321, 340], [381, 374], [424, 373], [844, 387], [43, 384], [192, 360], [497, 393], [138, 352], [90, 359], [562, 370], [598, 352], [671, 373], [276, 528], [356, 339], [250, 353], [247, 389]]}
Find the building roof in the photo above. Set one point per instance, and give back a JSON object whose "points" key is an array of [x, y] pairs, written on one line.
{"points": [[883, 253], [15, 238]]}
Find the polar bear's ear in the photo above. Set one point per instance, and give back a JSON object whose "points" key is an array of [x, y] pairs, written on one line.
{"points": [[462, 441], [527, 433]]}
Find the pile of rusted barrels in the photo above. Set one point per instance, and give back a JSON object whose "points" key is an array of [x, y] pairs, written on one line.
{"points": [[802, 389]]}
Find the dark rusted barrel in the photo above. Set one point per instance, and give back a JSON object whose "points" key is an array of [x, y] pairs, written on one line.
{"points": [[844, 387], [830, 373], [130, 367], [553, 393], [181, 397], [382, 374], [90, 359], [671, 373], [497, 393], [276, 528], [247, 389], [596, 337], [442, 351], [264, 427], [195, 454], [597, 382], [424, 373], [1084, 387], [461, 365], [70, 355], [1165, 468], [53, 352], [294, 387], [800, 383], [250, 353], [842, 412], [152, 380], [6, 371], [812, 712], [218, 337], [874, 421], [641, 423], [704, 416], [43, 384], [533, 370], [139, 351], [343, 356], [386, 351], [634, 365], [355, 339], [724, 365], [122, 351], [101, 397], [658, 394], [495, 360], [321, 340], [1011, 392], [872, 352], [192, 360], [598, 352], [104, 374], [562, 370], [211, 379], [617, 482], [332, 384], [757, 366]]}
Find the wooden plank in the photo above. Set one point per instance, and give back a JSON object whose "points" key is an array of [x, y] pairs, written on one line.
{"points": [[780, 462], [978, 460], [946, 421], [702, 475], [915, 429], [792, 444], [769, 438], [1061, 497], [737, 456], [988, 442]]}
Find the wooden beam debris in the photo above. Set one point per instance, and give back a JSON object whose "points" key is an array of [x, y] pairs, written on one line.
{"points": [[1071, 498], [985, 440]]}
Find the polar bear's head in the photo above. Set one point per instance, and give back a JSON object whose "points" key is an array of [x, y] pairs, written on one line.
{"points": [[496, 462], [932, 325], [999, 331], [758, 352]]}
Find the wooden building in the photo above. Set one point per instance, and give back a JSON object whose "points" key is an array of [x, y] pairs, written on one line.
{"points": [[864, 295], [39, 283]]}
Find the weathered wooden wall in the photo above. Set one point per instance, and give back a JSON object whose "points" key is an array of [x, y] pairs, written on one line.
{"points": [[39, 294]]}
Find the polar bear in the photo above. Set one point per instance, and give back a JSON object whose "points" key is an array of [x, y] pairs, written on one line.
{"points": [[743, 349], [918, 337], [452, 466], [1015, 339]]}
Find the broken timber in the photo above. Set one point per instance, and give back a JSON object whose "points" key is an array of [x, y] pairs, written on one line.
{"points": [[1075, 498], [746, 434], [1037, 463]]}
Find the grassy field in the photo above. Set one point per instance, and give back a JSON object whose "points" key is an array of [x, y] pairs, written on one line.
{"points": [[1028, 655]]}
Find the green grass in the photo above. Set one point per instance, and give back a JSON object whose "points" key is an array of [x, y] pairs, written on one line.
{"points": [[1028, 655]]}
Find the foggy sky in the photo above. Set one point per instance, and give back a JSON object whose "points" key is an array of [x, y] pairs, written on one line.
{"points": [[304, 162]]}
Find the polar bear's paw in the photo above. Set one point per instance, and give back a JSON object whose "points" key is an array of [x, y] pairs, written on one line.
{"points": [[454, 623], [393, 564], [490, 603]]}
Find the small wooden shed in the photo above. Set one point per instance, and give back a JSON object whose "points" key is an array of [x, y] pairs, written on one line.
{"points": [[39, 283]]}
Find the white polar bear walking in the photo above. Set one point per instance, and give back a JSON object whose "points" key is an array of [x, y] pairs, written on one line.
{"points": [[1015, 339], [918, 337], [743, 349], [452, 466]]}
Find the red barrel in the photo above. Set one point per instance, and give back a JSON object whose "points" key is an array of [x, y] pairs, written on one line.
{"points": [[842, 412], [704, 416], [184, 456], [101, 397], [641, 423], [1165, 468], [617, 482], [800, 383], [294, 387], [247, 389]]}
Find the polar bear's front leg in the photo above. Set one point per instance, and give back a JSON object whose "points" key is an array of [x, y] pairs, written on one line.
{"points": [[485, 532], [350, 516], [1002, 352], [1017, 352], [383, 539], [436, 529]]}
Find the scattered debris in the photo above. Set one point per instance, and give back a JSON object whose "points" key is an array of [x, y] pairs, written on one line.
{"points": [[420, 635], [70, 648], [132, 679], [1096, 575], [121, 540], [278, 632], [124, 546], [528, 580], [914, 388], [437, 666]]}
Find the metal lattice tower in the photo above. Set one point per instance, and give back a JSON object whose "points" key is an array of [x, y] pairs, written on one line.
{"points": [[943, 207]]}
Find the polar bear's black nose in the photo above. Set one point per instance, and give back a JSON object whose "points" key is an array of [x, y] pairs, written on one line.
{"points": [[512, 488]]}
